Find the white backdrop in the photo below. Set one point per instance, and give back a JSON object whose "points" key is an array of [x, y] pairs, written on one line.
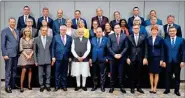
{"points": [[14, 8]]}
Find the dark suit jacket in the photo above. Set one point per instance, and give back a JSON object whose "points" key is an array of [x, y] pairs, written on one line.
{"points": [[156, 50], [59, 50], [138, 52], [179, 32], [175, 53], [114, 48], [74, 25], [9, 45], [113, 23], [99, 52], [104, 20], [142, 30], [21, 24], [130, 21], [56, 26], [39, 22]]}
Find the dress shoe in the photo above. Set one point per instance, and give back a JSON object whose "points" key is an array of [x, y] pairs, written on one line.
{"points": [[150, 91], [64, 89], [16, 87], [48, 89], [140, 90], [56, 89], [94, 88], [21, 90], [30, 88], [84, 88], [41, 89], [166, 91], [132, 91], [154, 92], [102, 89], [77, 88], [8, 90], [177, 93], [122, 90], [111, 90]]}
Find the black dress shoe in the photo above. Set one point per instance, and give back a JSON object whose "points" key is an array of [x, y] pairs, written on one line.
{"points": [[41, 89], [132, 91], [16, 87], [140, 90], [56, 89], [30, 88], [154, 92], [21, 90], [94, 88], [177, 93], [84, 88], [122, 90], [77, 88], [111, 90], [166, 91], [150, 91], [48, 89], [64, 89], [8, 90], [102, 89]]}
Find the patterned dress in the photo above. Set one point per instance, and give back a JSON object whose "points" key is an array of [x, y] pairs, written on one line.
{"points": [[27, 47]]}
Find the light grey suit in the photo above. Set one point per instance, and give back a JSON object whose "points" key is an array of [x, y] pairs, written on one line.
{"points": [[42, 57], [34, 32]]}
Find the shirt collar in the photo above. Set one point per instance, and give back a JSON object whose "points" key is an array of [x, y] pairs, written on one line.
{"points": [[173, 37], [11, 29]]}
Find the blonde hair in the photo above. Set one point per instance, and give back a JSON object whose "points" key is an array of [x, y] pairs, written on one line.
{"points": [[24, 35]]}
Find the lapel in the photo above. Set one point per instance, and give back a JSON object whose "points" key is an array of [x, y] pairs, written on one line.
{"points": [[22, 19], [47, 42], [133, 40], [41, 42], [121, 38], [165, 28], [12, 34], [139, 40], [59, 38]]}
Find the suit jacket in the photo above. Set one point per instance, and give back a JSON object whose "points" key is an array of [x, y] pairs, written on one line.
{"points": [[21, 24], [75, 26], [104, 21], [56, 26], [9, 45], [114, 48], [179, 32], [137, 52], [34, 32], [99, 52], [42, 55], [39, 22], [156, 49], [131, 19], [175, 53], [113, 23], [59, 50], [142, 30], [159, 22]]}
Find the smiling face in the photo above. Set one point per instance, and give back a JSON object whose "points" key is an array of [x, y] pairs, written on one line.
{"points": [[45, 12], [172, 32], [171, 20], [12, 23], [117, 15], [136, 11], [117, 29], [95, 24], [99, 12], [69, 23], [77, 14], [99, 32], [44, 31], [63, 30], [27, 32], [59, 13], [136, 29]]}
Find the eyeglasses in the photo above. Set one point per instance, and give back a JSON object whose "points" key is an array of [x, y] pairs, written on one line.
{"points": [[136, 28]]}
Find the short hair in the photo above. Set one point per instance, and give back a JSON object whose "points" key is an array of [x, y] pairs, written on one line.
{"points": [[45, 8], [99, 8], [11, 18], [154, 17], [78, 11], [100, 28], [26, 7], [116, 12], [29, 19], [172, 27], [170, 16], [153, 11], [62, 26], [135, 8], [43, 27], [68, 20], [137, 18], [155, 27], [116, 25]]}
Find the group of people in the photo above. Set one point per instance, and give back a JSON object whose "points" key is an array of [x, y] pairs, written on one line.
{"points": [[107, 45]]}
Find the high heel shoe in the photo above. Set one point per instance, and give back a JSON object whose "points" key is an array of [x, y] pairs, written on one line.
{"points": [[29, 87], [21, 90]]}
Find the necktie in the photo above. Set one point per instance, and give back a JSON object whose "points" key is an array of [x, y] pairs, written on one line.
{"points": [[168, 27], [45, 18], [63, 39], [98, 41], [100, 20], [14, 34], [44, 41], [173, 42], [60, 21], [117, 38], [136, 39], [26, 17]]}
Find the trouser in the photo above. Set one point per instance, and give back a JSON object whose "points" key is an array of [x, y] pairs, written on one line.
{"points": [[44, 73]]}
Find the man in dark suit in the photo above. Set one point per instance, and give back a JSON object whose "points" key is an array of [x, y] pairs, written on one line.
{"points": [[135, 14], [170, 23], [58, 22], [174, 59], [46, 17], [116, 20], [117, 47], [98, 59], [42, 58], [61, 46], [9, 48], [102, 20], [22, 19], [137, 56], [29, 23], [77, 18]]}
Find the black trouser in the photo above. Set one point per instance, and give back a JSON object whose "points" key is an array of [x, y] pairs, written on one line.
{"points": [[99, 70], [172, 68], [135, 73]]}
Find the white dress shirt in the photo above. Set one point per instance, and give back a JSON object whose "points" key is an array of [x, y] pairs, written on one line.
{"points": [[65, 39], [43, 39]]}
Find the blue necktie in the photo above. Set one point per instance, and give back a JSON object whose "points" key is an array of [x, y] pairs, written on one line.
{"points": [[173, 42], [99, 42]]}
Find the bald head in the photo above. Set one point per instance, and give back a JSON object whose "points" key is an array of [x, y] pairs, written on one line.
{"points": [[80, 32], [59, 13]]}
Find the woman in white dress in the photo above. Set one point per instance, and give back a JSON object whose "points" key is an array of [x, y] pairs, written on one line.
{"points": [[80, 49]]}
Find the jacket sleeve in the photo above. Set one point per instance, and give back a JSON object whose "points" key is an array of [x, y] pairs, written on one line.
{"points": [[109, 44], [125, 47], [3, 43]]}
